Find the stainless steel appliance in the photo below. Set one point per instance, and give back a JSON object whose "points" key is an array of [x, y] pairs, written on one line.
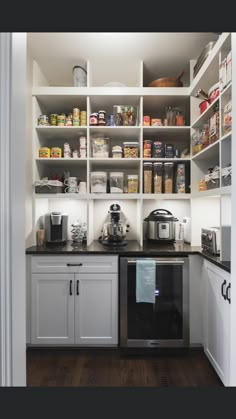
{"points": [[210, 238], [56, 227], [113, 232], [160, 226], [162, 324]]}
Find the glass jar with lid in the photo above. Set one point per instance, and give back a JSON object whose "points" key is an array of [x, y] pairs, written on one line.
{"points": [[147, 177], [157, 177], [131, 150], [168, 177], [132, 183], [116, 182]]}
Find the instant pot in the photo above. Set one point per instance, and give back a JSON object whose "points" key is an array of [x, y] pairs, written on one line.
{"points": [[159, 226]]}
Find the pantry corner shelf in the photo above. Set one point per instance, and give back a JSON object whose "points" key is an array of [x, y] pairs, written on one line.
{"points": [[205, 115], [61, 196], [225, 190], [206, 152], [227, 90]]}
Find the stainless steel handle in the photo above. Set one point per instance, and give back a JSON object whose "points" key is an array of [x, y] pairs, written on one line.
{"points": [[74, 264], [161, 262]]}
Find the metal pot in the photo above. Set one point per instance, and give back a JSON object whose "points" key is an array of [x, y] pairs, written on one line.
{"points": [[160, 226]]}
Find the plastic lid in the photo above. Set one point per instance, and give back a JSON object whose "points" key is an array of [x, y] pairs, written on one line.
{"points": [[118, 174], [157, 163], [134, 144], [147, 163], [132, 176], [98, 173]]}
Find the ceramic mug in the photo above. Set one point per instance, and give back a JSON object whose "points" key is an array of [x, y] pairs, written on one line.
{"points": [[71, 185], [82, 187]]}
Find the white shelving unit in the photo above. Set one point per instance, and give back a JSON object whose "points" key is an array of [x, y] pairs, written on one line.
{"points": [[150, 101]]}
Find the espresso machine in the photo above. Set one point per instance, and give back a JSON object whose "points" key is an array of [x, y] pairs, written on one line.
{"points": [[56, 227], [113, 232]]}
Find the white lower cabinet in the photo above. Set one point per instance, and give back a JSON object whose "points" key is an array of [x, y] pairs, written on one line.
{"points": [[74, 308], [52, 309], [217, 318], [96, 309]]}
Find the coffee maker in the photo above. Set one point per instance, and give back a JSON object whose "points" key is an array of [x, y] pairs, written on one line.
{"points": [[113, 232], [56, 227]]}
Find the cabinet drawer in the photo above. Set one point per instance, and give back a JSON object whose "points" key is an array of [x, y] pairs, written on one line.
{"points": [[74, 264]]}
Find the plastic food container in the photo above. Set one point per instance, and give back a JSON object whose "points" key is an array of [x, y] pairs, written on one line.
{"points": [[100, 147], [116, 182], [131, 150], [168, 177], [98, 182], [132, 181], [157, 177], [147, 175], [117, 153]]}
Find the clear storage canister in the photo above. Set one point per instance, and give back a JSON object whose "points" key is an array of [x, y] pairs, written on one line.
{"points": [[157, 177], [98, 182], [147, 177], [116, 182], [132, 183], [168, 177]]}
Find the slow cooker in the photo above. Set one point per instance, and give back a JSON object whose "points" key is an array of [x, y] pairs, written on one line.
{"points": [[160, 226]]}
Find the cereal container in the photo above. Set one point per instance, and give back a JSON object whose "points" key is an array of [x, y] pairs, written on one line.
{"points": [[131, 150]]}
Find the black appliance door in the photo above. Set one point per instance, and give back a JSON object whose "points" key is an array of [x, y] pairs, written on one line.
{"points": [[164, 323]]}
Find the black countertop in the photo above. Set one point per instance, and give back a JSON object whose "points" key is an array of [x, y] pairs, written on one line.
{"points": [[131, 249]]}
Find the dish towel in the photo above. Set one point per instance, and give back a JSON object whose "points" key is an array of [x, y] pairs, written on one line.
{"points": [[145, 281]]}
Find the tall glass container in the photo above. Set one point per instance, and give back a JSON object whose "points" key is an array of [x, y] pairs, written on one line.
{"points": [[157, 177], [168, 177], [147, 177]]}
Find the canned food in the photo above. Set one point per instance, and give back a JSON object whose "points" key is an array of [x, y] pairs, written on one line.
{"points": [[44, 152], [76, 122], [56, 152], [53, 119], [146, 120], [61, 120], [76, 113], [156, 122], [43, 120], [147, 149], [83, 118], [68, 120]]}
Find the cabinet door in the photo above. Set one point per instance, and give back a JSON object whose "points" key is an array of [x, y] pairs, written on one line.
{"points": [[217, 322], [52, 308], [96, 309]]}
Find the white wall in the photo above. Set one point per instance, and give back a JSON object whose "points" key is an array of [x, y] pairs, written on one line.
{"points": [[205, 213]]}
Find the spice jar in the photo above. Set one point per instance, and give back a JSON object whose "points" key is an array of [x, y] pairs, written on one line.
{"points": [[93, 120], [147, 149], [132, 181], [157, 177], [147, 177], [168, 177]]}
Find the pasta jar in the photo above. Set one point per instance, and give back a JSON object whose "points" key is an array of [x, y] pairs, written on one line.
{"points": [[168, 177], [157, 177], [132, 183], [147, 177], [61, 120], [147, 149]]}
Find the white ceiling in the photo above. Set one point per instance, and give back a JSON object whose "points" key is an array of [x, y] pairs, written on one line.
{"points": [[164, 54]]}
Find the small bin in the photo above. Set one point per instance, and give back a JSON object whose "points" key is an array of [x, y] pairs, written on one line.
{"points": [[116, 182], [212, 179], [98, 182], [49, 186], [226, 176]]}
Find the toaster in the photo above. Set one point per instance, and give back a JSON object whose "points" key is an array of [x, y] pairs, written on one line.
{"points": [[210, 239]]}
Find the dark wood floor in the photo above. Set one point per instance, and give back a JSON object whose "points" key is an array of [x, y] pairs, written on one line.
{"points": [[47, 367]]}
